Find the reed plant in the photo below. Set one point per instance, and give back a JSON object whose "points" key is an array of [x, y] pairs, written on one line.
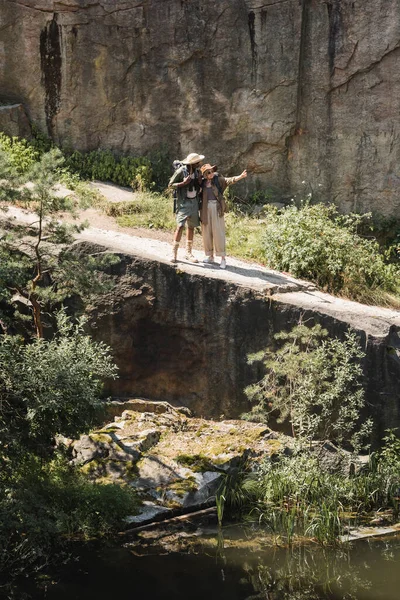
{"points": [[296, 496]]}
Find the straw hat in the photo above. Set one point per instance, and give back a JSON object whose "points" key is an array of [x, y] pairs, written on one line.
{"points": [[207, 167], [192, 159]]}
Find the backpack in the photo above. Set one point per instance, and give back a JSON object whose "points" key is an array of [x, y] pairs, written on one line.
{"points": [[177, 164]]}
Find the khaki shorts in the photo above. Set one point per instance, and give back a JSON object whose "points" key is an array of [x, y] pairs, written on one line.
{"points": [[188, 212]]}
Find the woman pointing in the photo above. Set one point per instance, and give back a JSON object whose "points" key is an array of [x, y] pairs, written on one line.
{"points": [[212, 212]]}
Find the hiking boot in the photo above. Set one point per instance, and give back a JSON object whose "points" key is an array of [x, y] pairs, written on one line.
{"points": [[175, 247], [223, 263], [189, 254], [208, 260]]}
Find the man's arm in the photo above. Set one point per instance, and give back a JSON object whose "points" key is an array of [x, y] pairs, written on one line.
{"points": [[177, 179]]}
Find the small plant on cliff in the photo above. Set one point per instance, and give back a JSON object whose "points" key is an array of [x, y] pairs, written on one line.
{"points": [[317, 243], [313, 382]]}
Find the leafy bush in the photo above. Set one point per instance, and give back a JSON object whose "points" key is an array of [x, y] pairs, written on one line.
{"points": [[316, 384], [40, 141], [161, 165], [21, 154], [103, 165], [44, 504], [50, 387], [297, 495], [317, 243], [313, 382]]}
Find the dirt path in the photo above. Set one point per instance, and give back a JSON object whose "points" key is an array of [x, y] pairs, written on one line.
{"points": [[99, 220], [156, 245]]}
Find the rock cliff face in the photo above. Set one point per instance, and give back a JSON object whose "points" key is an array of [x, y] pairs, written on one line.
{"points": [[184, 338], [304, 93]]}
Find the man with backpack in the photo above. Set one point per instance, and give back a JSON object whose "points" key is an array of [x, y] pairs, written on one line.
{"points": [[212, 212], [186, 185]]}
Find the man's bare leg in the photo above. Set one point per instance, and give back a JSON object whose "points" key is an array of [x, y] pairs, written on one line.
{"points": [[175, 245], [189, 245]]}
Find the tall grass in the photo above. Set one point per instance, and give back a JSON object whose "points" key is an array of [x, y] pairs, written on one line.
{"points": [[147, 209], [296, 496]]}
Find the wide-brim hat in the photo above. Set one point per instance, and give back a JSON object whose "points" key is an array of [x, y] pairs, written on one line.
{"points": [[192, 159], [207, 167]]}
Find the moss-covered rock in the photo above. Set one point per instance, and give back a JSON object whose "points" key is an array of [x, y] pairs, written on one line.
{"points": [[171, 460]]}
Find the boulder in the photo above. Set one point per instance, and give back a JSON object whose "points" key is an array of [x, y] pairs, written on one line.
{"points": [[171, 461]]}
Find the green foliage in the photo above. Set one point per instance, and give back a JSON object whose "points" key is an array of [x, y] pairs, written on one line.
{"points": [[386, 231], [245, 236], [161, 162], [47, 386], [315, 383], [382, 480], [87, 195], [319, 244], [50, 387], [141, 173], [260, 197], [149, 209], [40, 141], [298, 495], [103, 165], [21, 154], [44, 504], [35, 263]]}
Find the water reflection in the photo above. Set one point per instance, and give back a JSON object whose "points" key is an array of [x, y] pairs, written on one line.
{"points": [[239, 566]]}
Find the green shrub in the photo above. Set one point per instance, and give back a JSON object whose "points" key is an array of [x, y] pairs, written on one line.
{"points": [[21, 154], [161, 164], [50, 387], [40, 141], [319, 244], [298, 494], [44, 504], [313, 382], [103, 165]]}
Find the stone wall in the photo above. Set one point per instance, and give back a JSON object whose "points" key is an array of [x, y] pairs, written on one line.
{"points": [[14, 120], [184, 338], [304, 93]]}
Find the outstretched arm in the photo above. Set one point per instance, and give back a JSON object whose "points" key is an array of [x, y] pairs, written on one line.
{"points": [[231, 180]]}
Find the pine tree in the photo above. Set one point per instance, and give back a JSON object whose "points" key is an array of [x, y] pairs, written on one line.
{"points": [[38, 269]]}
